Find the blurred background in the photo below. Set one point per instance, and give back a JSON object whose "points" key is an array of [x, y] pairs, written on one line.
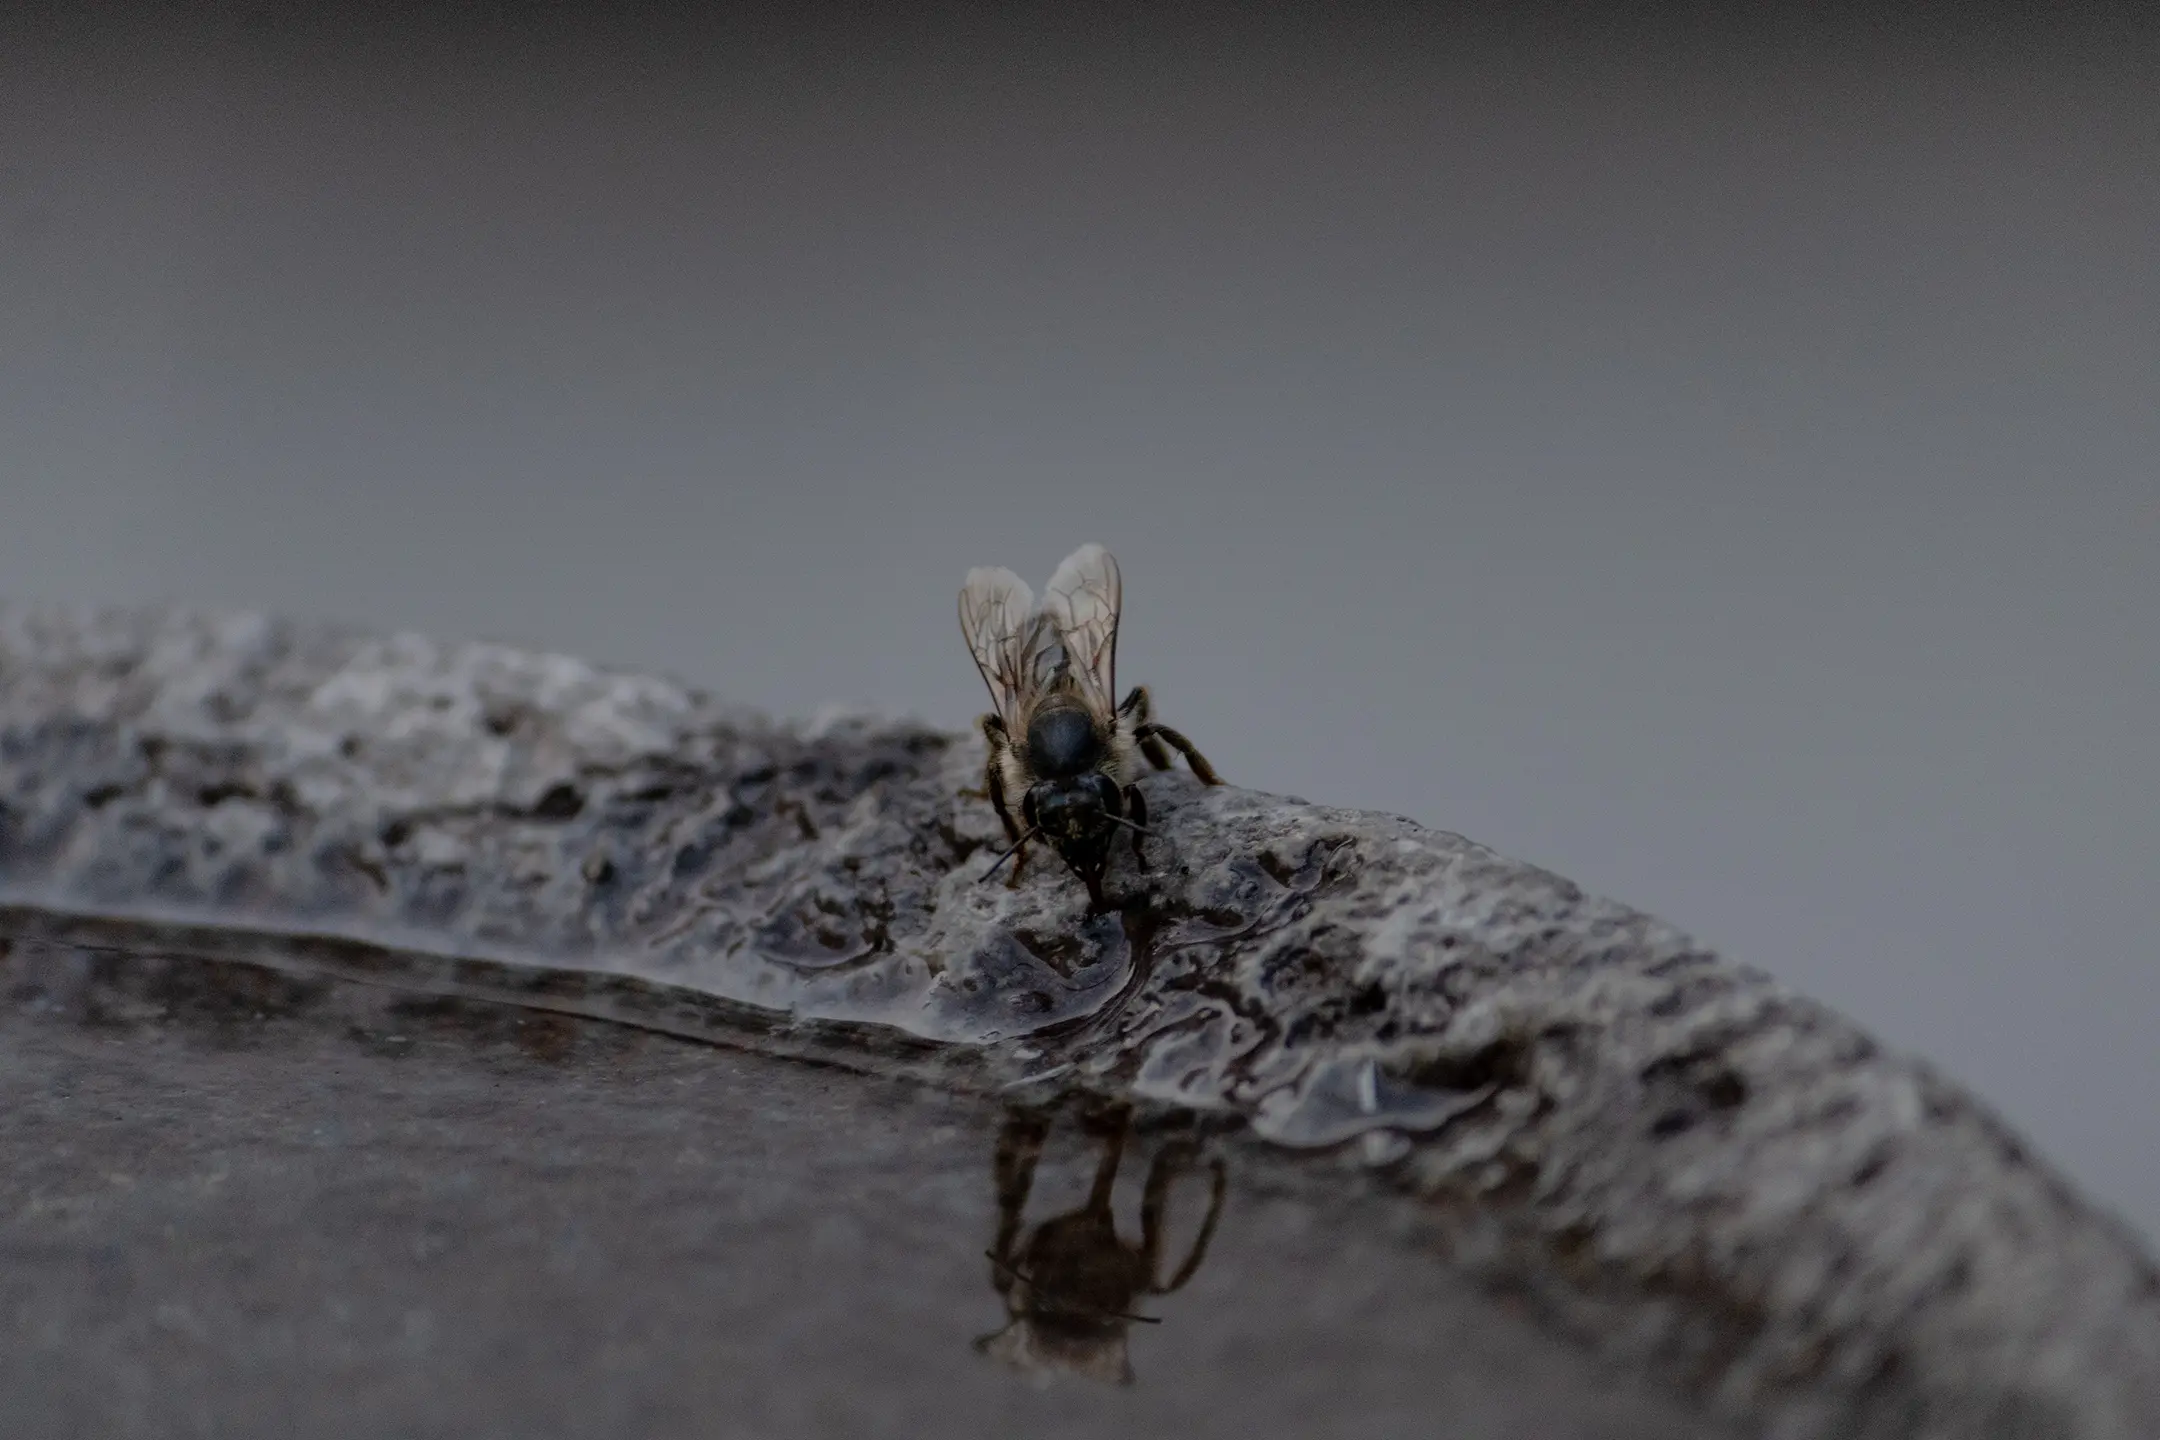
{"points": [[1714, 460]]}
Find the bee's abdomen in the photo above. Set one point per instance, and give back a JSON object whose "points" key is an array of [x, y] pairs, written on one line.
{"points": [[1063, 741]]}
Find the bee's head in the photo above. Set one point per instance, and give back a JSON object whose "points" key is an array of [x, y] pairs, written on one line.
{"points": [[1075, 816]]}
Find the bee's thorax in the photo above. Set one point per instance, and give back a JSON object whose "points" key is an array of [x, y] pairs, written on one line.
{"points": [[1063, 741]]}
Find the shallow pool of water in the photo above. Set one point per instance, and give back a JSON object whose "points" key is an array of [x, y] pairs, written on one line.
{"points": [[238, 1203]]}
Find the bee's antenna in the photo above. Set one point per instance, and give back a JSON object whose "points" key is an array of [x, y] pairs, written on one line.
{"points": [[1121, 820], [1010, 853]]}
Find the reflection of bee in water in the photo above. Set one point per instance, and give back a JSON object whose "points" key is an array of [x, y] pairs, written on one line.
{"points": [[1059, 738], [1069, 1290]]}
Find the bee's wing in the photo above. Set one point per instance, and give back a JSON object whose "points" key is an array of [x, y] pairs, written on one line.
{"points": [[1082, 603], [1003, 630]]}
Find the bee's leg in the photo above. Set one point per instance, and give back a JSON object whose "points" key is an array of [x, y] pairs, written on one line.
{"points": [[994, 785], [1136, 807], [993, 730], [1109, 1128], [1138, 708], [1154, 1209], [1155, 1206], [1019, 1146], [1185, 747], [1027, 819]]}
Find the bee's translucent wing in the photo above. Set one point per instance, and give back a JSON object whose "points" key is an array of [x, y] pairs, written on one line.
{"points": [[1082, 602], [999, 619]]}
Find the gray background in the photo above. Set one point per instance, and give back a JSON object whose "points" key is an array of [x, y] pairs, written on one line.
{"points": [[1718, 465]]}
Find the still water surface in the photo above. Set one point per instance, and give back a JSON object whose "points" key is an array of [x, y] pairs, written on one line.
{"points": [[240, 1204]]}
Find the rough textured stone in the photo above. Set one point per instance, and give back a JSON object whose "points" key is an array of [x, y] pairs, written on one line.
{"points": [[1670, 1150]]}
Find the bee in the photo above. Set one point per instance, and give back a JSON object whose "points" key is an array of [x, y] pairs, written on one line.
{"points": [[1060, 742], [1069, 1285]]}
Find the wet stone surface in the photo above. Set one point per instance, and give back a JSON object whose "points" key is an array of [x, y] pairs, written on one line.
{"points": [[1720, 1182], [241, 1203]]}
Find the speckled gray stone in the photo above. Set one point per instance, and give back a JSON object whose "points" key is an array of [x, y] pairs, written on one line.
{"points": [[1677, 1155]]}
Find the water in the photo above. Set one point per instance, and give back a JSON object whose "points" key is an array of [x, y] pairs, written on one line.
{"points": [[255, 1201]]}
